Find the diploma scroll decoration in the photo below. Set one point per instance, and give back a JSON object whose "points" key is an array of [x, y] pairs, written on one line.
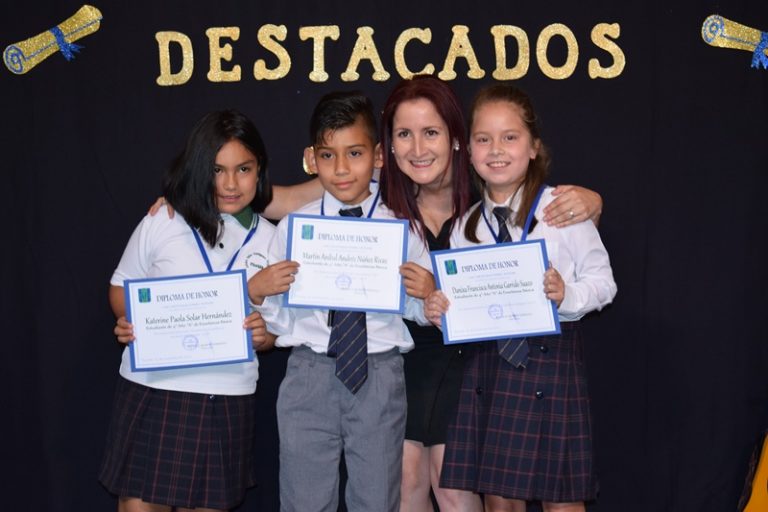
{"points": [[21, 57], [724, 33]]}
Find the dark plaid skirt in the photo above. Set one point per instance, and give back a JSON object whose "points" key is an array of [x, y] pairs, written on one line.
{"points": [[524, 433], [179, 449]]}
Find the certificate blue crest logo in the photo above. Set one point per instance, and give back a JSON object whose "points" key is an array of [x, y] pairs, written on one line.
{"points": [[145, 295], [450, 267], [307, 232]]}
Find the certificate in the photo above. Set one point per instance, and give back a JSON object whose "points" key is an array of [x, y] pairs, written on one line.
{"points": [[347, 263], [496, 291], [186, 321]]}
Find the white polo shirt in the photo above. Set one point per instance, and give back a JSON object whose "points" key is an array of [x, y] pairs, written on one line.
{"points": [[161, 246]]}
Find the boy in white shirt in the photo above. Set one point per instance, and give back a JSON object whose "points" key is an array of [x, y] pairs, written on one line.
{"points": [[324, 411]]}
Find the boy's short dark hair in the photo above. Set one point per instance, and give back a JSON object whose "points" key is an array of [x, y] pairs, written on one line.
{"points": [[338, 110]]}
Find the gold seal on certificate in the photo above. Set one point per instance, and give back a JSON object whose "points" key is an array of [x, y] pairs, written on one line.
{"points": [[186, 321], [496, 291], [347, 263]]}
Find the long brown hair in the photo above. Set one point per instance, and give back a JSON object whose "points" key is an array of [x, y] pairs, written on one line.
{"points": [[538, 168]]}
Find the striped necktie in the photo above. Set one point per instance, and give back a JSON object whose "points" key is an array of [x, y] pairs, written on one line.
{"points": [[349, 340], [513, 350]]}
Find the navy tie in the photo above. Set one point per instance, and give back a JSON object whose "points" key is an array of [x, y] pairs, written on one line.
{"points": [[513, 350], [349, 339]]}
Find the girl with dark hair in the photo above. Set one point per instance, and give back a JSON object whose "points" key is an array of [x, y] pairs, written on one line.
{"points": [[182, 439], [522, 428]]}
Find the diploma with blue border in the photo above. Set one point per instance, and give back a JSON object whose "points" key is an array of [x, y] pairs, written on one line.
{"points": [[495, 291], [186, 321], [347, 263]]}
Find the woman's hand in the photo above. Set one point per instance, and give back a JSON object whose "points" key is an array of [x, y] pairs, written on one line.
{"points": [[435, 305], [271, 280], [554, 286], [124, 330], [573, 204], [260, 338], [159, 204], [418, 281]]}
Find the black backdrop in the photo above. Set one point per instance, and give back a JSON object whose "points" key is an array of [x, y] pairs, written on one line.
{"points": [[676, 144]]}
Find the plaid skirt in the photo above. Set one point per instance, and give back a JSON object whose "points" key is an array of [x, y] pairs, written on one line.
{"points": [[179, 449], [524, 433]]}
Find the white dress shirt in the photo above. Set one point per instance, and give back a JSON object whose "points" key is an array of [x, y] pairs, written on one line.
{"points": [[576, 251], [303, 326]]}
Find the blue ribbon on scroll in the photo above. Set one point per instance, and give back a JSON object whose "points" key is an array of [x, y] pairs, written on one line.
{"points": [[67, 49], [759, 58]]}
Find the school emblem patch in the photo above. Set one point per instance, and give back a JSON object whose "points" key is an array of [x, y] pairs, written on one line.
{"points": [[255, 261]]}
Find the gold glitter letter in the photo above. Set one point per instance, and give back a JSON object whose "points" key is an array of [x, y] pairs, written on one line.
{"points": [[422, 34], [566, 69], [460, 47], [502, 72], [319, 35], [268, 37], [164, 40], [600, 34], [365, 48], [219, 53]]}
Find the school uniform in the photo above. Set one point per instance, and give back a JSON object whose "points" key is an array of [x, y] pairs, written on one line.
{"points": [[318, 416], [524, 432], [184, 437]]}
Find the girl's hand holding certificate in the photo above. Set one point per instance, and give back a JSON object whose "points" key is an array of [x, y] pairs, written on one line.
{"points": [[124, 330], [435, 306], [554, 287], [261, 340]]}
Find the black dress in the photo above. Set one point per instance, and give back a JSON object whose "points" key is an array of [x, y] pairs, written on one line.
{"points": [[433, 372]]}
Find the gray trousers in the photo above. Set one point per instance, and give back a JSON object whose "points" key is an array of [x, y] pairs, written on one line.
{"points": [[319, 419]]}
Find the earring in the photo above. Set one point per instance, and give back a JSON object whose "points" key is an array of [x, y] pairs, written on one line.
{"points": [[456, 145], [392, 149]]}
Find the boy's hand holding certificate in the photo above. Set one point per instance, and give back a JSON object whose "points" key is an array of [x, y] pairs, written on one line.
{"points": [[495, 292], [347, 263]]}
